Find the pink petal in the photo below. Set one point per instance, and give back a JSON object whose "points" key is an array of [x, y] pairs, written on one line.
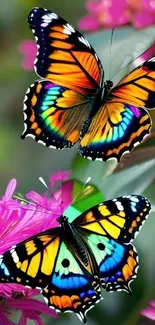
{"points": [[89, 22], [31, 304], [152, 304], [64, 194], [6, 289], [59, 176], [23, 319], [143, 19], [28, 49], [10, 190], [5, 320], [93, 6], [35, 197], [149, 313]]}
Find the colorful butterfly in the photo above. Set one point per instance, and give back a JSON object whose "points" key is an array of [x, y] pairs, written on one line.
{"points": [[73, 103], [72, 262]]}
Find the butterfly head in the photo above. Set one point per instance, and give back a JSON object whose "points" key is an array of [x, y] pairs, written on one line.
{"points": [[108, 85], [62, 220]]}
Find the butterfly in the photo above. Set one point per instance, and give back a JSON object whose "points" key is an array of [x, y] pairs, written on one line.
{"points": [[71, 263], [72, 103]]}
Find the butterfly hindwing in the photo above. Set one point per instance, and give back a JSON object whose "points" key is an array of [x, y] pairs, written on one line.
{"points": [[64, 56], [117, 263], [54, 115], [115, 129], [70, 289], [119, 219]]}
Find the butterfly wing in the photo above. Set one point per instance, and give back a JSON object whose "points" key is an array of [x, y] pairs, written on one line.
{"points": [[64, 56], [117, 263], [70, 289], [119, 219], [138, 87], [107, 229], [48, 263], [122, 122], [28, 263], [54, 115], [116, 128]]}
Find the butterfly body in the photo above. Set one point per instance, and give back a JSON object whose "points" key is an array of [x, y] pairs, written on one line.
{"points": [[70, 264], [72, 238], [73, 103]]}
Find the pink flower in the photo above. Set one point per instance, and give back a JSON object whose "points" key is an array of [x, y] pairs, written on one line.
{"points": [[55, 202], [59, 176], [28, 49], [111, 13], [149, 312], [28, 220], [104, 13], [141, 13]]}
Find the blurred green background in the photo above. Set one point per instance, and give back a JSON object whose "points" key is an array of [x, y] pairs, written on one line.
{"points": [[26, 160]]}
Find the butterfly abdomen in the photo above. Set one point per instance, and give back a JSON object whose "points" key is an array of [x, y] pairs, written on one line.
{"points": [[93, 109]]}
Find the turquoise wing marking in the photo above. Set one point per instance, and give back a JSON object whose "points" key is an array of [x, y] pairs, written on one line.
{"points": [[117, 263]]}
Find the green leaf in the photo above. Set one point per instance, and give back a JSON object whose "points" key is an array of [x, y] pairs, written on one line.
{"points": [[133, 180]]}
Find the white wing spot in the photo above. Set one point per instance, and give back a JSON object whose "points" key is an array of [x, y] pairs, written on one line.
{"points": [[134, 199], [119, 205], [84, 41], [96, 56], [70, 27], [49, 17], [40, 141], [15, 257], [67, 31]]}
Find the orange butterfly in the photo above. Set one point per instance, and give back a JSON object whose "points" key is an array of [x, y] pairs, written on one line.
{"points": [[73, 103]]}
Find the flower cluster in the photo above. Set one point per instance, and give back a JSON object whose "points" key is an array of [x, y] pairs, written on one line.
{"points": [[28, 220], [111, 14], [149, 312]]}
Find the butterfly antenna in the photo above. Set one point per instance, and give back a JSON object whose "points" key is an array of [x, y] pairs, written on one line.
{"points": [[86, 182], [112, 32], [51, 194], [23, 200], [138, 59], [61, 189]]}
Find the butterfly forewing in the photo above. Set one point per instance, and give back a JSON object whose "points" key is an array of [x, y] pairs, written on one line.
{"points": [[138, 87], [64, 56], [119, 219], [29, 263]]}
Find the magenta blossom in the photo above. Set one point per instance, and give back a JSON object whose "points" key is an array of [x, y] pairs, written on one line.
{"points": [[141, 13], [149, 312], [28, 220], [111, 14], [104, 13], [28, 50]]}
